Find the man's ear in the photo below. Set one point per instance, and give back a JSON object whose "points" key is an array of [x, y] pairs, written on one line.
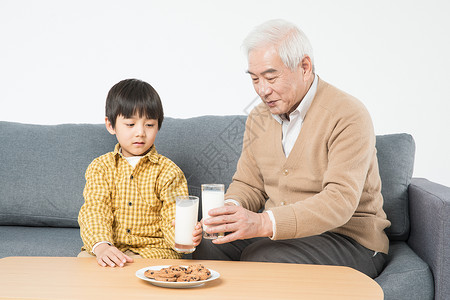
{"points": [[109, 126], [307, 67]]}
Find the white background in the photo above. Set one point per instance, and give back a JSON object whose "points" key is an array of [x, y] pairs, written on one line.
{"points": [[58, 60]]}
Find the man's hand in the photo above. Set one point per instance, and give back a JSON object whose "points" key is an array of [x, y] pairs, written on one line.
{"points": [[239, 222], [111, 256]]}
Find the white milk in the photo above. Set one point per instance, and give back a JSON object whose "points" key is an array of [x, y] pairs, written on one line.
{"points": [[210, 200], [185, 221]]}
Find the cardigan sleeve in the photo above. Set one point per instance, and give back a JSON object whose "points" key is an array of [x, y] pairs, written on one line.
{"points": [[247, 186]]}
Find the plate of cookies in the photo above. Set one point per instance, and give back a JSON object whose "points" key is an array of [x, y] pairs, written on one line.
{"points": [[177, 276]]}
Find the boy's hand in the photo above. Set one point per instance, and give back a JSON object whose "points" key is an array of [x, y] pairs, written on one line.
{"points": [[111, 256], [197, 234]]}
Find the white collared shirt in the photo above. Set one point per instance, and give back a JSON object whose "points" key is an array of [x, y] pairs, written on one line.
{"points": [[291, 128]]}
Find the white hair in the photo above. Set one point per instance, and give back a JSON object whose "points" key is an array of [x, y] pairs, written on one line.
{"points": [[293, 45]]}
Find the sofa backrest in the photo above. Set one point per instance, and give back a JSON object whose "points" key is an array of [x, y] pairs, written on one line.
{"points": [[206, 148], [42, 171], [395, 154], [42, 167]]}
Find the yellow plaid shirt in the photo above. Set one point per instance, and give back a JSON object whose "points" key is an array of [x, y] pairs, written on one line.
{"points": [[132, 208]]}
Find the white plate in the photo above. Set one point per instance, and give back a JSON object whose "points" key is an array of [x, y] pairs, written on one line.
{"points": [[176, 285]]}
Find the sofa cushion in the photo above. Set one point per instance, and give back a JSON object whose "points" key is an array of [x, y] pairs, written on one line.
{"points": [[396, 162], [39, 241], [405, 275], [42, 169]]}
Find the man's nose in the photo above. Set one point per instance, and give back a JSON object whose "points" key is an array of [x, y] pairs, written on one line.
{"points": [[264, 89]]}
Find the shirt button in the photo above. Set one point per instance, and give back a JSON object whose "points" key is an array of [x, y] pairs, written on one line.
{"points": [[129, 203], [282, 203], [128, 230], [131, 177], [285, 172]]}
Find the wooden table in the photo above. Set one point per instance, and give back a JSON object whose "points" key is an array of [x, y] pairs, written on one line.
{"points": [[82, 278]]}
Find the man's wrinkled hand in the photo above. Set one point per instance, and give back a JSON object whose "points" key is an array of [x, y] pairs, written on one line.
{"points": [[238, 222]]}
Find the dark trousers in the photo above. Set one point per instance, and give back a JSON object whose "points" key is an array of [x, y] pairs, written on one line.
{"points": [[325, 249]]}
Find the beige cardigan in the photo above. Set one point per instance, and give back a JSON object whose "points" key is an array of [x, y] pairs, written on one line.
{"points": [[329, 182]]}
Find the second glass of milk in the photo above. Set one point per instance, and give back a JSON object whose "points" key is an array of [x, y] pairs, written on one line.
{"points": [[212, 197]]}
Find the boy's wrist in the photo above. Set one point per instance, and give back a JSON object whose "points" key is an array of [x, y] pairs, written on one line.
{"points": [[100, 243]]}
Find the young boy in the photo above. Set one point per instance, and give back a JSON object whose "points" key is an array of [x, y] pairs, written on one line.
{"points": [[130, 193]]}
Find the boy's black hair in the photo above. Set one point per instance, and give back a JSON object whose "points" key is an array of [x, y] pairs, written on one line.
{"points": [[131, 96]]}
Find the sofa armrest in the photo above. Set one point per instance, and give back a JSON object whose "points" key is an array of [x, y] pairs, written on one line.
{"points": [[429, 207]]}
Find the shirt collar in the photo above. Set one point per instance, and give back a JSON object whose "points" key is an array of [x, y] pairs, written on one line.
{"points": [[152, 155], [302, 109]]}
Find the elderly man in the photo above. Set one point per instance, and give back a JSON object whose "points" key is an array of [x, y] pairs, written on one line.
{"points": [[308, 161]]}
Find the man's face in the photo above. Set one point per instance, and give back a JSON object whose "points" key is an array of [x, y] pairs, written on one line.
{"points": [[135, 135], [280, 88]]}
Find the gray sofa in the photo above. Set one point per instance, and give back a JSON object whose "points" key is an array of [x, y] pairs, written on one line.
{"points": [[42, 178]]}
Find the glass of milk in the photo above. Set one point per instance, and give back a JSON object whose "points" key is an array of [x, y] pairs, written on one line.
{"points": [[212, 197], [185, 220]]}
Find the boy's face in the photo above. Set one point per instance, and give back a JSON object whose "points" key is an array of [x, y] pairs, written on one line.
{"points": [[135, 135]]}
